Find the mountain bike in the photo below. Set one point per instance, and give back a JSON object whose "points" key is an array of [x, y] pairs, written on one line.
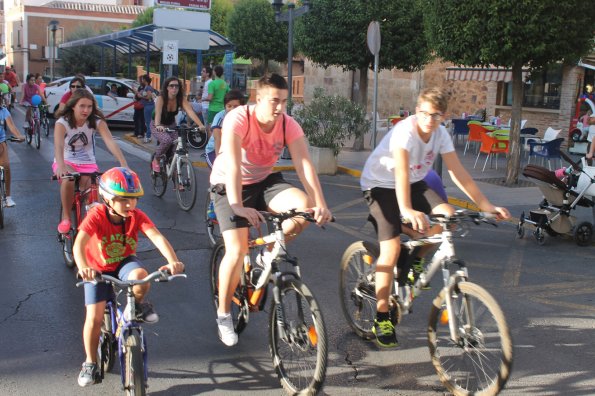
{"points": [[3, 186], [468, 338], [44, 119], [33, 132], [297, 336], [121, 331], [83, 201], [176, 165]]}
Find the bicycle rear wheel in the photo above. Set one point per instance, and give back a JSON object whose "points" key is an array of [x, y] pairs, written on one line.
{"points": [[480, 363], [186, 184], [158, 179], [67, 240], [197, 139], [37, 133], [357, 289], [239, 303], [298, 345], [134, 371], [106, 352], [211, 222]]}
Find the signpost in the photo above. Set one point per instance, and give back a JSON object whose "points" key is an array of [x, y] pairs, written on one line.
{"points": [[373, 39], [196, 4]]}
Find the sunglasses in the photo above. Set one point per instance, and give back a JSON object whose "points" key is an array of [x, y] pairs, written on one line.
{"points": [[76, 86], [173, 86]]}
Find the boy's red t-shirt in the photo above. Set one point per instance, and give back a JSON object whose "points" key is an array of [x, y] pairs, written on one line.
{"points": [[108, 245]]}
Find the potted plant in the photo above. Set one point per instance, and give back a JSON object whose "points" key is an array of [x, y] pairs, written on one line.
{"points": [[328, 122]]}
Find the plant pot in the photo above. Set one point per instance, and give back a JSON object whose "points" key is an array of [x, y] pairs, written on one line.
{"points": [[324, 160]]}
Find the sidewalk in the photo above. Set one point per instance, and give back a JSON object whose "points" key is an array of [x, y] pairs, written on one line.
{"points": [[521, 198]]}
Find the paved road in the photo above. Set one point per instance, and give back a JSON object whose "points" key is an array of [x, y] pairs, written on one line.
{"points": [[546, 293]]}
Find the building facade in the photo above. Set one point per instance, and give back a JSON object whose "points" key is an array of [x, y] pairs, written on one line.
{"points": [[28, 35]]}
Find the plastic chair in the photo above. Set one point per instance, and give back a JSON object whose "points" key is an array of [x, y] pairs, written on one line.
{"points": [[491, 145], [546, 150], [475, 133], [459, 128]]}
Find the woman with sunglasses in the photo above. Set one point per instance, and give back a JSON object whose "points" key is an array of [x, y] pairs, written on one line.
{"points": [[74, 146], [167, 106], [77, 82]]}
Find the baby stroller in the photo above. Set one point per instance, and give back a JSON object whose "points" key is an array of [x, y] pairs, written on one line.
{"points": [[560, 197]]}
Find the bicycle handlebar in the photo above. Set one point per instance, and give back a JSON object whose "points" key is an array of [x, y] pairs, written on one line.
{"points": [[77, 175], [157, 276], [279, 217], [183, 128], [14, 139], [461, 214]]}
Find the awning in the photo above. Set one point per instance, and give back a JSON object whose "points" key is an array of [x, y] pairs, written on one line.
{"points": [[481, 74], [588, 63], [135, 40]]}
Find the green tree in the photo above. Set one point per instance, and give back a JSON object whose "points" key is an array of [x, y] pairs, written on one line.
{"points": [[144, 18], [334, 33], [254, 32], [220, 11], [510, 33], [83, 59]]}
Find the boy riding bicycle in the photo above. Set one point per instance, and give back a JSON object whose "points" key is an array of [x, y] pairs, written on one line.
{"points": [[393, 186], [251, 143], [106, 243]]}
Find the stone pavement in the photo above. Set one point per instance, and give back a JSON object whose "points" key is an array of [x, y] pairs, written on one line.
{"points": [[521, 198]]}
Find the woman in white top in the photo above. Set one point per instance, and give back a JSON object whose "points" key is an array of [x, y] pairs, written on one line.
{"points": [[74, 146]]}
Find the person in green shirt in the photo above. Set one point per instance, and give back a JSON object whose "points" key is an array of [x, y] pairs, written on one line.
{"points": [[217, 90]]}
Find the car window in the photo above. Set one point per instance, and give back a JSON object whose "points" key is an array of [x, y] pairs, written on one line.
{"points": [[96, 86]]}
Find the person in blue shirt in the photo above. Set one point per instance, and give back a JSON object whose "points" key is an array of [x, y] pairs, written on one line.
{"points": [[232, 99], [6, 122]]}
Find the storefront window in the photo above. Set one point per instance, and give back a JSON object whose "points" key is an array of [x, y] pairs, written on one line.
{"points": [[541, 90]]}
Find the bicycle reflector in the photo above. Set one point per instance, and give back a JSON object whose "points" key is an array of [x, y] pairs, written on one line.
{"points": [[312, 335], [444, 317], [368, 259]]}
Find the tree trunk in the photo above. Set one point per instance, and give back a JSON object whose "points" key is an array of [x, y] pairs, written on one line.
{"points": [[513, 159], [361, 97]]}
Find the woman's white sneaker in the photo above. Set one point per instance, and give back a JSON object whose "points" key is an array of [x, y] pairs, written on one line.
{"points": [[227, 334]]}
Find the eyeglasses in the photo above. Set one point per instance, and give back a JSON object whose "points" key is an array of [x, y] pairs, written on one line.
{"points": [[76, 86], [173, 86], [433, 116]]}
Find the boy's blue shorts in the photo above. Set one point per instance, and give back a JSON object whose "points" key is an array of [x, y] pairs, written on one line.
{"points": [[105, 291]]}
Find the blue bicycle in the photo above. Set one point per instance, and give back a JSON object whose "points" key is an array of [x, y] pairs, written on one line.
{"points": [[122, 331]]}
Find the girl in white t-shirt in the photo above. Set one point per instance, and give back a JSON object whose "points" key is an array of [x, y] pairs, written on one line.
{"points": [[74, 146]]}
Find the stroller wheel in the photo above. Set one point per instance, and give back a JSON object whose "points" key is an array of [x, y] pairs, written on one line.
{"points": [[583, 233], [539, 235]]}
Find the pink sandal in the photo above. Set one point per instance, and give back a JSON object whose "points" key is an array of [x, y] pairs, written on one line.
{"points": [[64, 227]]}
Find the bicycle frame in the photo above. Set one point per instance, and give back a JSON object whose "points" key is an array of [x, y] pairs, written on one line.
{"points": [[174, 162]]}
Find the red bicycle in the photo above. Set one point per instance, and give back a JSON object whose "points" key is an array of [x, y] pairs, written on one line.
{"points": [[83, 201]]}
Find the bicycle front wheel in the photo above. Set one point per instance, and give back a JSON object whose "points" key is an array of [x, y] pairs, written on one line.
{"points": [[186, 184], [357, 288], [298, 342], [211, 222], [197, 139], [158, 179], [46, 126], [37, 133], [479, 363], [134, 376], [239, 302], [28, 135], [67, 240]]}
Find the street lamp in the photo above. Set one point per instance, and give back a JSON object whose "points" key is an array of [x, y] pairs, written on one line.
{"points": [[288, 16], [53, 26]]}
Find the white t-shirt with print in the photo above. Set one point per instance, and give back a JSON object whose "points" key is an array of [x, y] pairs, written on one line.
{"points": [[79, 143], [379, 168]]}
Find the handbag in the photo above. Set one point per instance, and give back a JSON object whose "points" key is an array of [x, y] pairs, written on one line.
{"points": [[138, 105]]}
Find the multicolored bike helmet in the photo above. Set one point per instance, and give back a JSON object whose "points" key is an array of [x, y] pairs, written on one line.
{"points": [[4, 88], [120, 182]]}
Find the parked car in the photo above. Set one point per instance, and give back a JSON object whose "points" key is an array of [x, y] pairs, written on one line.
{"points": [[100, 86]]}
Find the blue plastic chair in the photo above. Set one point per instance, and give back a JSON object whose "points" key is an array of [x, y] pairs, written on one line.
{"points": [[460, 128], [546, 150]]}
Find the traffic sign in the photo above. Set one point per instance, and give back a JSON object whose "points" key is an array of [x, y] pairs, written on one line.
{"points": [[196, 4], [170, 52], [374, 37]]}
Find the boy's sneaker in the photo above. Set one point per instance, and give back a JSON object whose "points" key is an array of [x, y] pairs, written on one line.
{"points": [[8, 202], [385, 334], [417, 271], [227, 334], [146, 312], [88, 374]]}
